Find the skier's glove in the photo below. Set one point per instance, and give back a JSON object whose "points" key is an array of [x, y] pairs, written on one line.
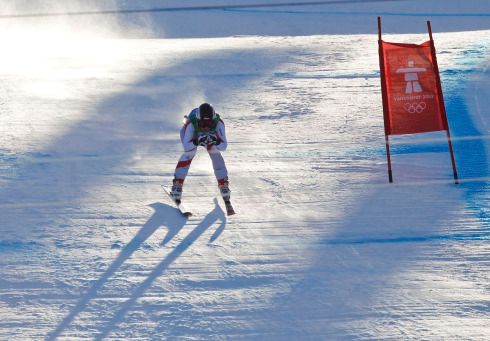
{"points": [[203, 140], [214, 139], [208, 139]]}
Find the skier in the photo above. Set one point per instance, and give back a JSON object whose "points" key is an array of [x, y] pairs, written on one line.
{"points": [[203, 127]]}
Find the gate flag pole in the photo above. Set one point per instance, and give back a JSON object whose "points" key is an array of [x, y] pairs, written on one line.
{"points": [[441, 103], [385, 101]]}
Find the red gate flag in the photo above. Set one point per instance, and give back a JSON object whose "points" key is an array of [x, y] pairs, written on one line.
{"points": [[411, 89]]}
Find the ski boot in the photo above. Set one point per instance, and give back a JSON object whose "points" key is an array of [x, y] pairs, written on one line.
{"points": [[225, 194], [176, 192]]}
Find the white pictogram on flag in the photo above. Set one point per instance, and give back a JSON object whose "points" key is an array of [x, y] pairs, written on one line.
{"points": [[411, 77]]}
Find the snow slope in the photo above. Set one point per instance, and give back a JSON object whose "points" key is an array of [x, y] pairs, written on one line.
{"points": [[322, 246]]}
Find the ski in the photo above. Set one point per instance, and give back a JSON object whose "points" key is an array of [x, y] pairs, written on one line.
{"points": [[229, 208], [181, 207]]}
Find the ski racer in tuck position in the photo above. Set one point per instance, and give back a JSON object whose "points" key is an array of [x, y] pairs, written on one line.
{"points": [[202, 127]]}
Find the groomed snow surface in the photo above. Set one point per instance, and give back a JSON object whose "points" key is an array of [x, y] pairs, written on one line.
{"points": [[322, 246]]}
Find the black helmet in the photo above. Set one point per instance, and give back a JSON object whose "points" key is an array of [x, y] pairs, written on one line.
{"points": [[206, 112]]}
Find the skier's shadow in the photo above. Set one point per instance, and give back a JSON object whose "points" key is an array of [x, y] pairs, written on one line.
{"points": [[164, 215], [211, 218]]}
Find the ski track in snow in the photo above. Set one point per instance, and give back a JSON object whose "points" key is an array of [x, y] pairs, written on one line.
{"points": [[322, 246]]}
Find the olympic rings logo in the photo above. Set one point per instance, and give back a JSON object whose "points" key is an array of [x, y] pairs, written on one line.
{"points": [[415, 107]]}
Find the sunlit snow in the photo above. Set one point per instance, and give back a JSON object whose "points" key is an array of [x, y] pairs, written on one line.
{"points": [[322, 246]]}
